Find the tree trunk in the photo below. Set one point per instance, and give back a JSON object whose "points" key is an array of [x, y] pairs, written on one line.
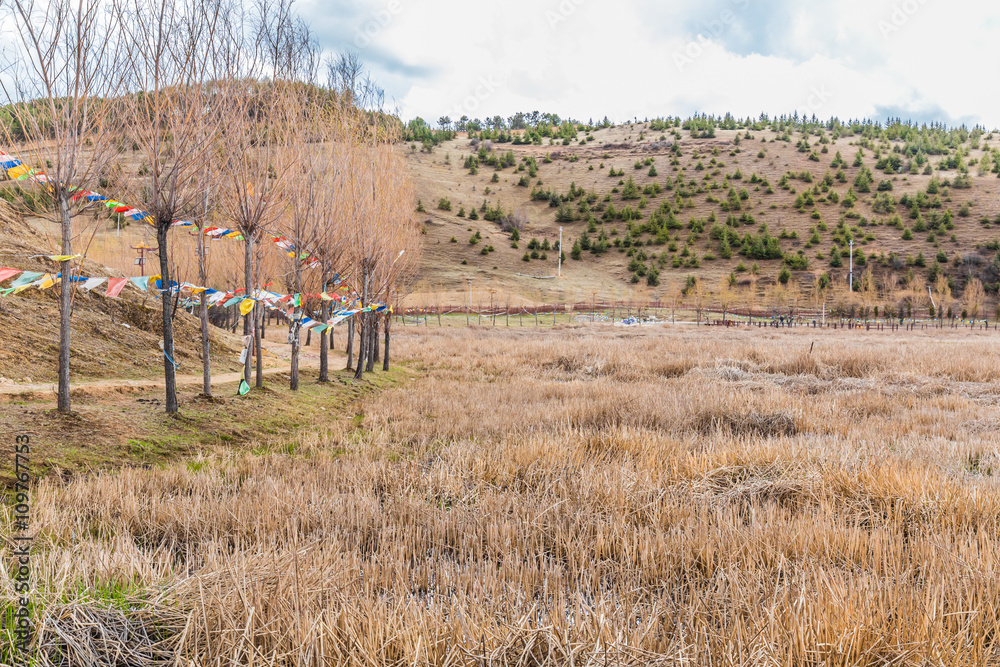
{"points": [[247, 286], [206, 362], [65, 304], [294, 382], [169, 370], [365, 331], [324, 341], [350, 342], [296, 328], [257, 312], [373, 357], [258, 329], [385, 348], [359, 369]]}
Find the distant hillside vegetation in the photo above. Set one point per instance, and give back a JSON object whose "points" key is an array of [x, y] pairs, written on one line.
{"points": [[717, 203]]}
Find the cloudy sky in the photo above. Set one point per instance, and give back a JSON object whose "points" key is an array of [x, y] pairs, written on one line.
{"points": [[919, 59]]}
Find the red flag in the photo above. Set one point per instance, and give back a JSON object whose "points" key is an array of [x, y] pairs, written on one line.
{"points": [[6, 273], [115, 286]]}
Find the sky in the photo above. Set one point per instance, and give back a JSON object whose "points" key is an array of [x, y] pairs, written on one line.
{"points": [[922, 60]]}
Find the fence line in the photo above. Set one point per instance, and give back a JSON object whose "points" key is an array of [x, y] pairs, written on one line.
{"points": [[657, 312]]}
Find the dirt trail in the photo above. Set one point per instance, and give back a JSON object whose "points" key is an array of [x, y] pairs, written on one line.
{"points": [[274, 352]]}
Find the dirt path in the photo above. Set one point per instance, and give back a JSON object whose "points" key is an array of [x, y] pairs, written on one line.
{"points": [[275, 352]]}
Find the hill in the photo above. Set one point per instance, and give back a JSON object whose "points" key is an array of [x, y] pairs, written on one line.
{"points": [[110, 337], [649, 206]]}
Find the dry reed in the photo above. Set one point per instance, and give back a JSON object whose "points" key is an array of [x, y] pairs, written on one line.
{"points": [[582, 496]]}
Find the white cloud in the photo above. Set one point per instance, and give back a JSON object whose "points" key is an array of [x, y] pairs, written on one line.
{"points": [[586, 58]]}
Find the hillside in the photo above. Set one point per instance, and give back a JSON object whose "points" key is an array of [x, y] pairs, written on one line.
{"points": [[110, 337], [780, 200]]}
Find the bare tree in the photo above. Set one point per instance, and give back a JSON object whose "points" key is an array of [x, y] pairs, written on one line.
{"points": [[168, 118], [260, 117], [343, 75], [314, 227], [64, 77]]}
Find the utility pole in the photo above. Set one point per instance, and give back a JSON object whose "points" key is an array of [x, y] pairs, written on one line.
{"points": [[852, 266], [141, 259], [559, 273]]}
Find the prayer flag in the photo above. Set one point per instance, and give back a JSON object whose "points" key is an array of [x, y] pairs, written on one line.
{"points": [[26, 278], [246, 306], [115, 287], [6, 273], [17, 172], [91, 283]]}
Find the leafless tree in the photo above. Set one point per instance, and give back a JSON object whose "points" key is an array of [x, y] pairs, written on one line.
{"points": [[169, 64], [254, 140], [314, 229], [63, 66]]}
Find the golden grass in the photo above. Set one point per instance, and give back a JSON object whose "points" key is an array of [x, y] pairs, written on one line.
{"points": [[577, 496]]}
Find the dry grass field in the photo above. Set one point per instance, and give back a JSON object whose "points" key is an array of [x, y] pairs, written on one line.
{"points": [[572, 496]]}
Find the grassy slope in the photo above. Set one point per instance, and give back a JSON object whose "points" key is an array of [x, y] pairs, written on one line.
{"points": [[442, 272], [128, 427], [111, 337]]}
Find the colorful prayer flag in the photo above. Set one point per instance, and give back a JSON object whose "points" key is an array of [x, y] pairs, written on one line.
{"points": [[91, 283], [27, 278], [115, 287]]}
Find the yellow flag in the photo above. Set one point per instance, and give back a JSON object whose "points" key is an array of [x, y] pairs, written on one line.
{"points": [[47, 281], [62, 258], [246, 305]]}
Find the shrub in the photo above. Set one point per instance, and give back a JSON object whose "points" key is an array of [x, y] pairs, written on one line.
{"points": [[631, 190], [444, 204]]}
